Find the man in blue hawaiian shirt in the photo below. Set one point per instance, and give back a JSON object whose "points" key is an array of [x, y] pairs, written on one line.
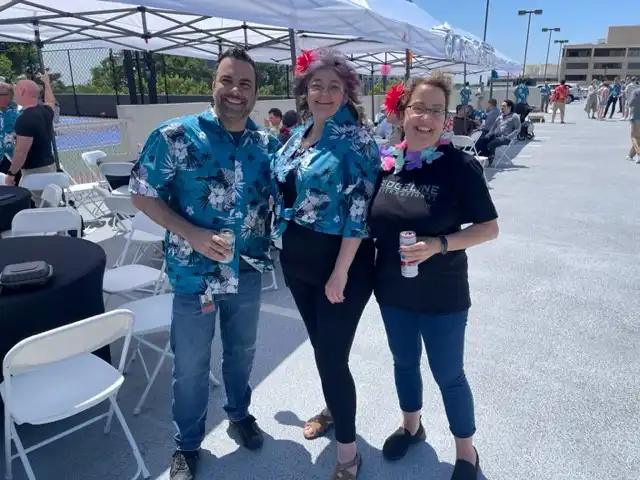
{"points": [[197, 175], [465, 94], [545, 96], [521, 92], [8, 116]]}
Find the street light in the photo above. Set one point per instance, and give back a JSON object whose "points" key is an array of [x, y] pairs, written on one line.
{"points": [[561, 42], [546, 62], [484, 36], [526, 45]]}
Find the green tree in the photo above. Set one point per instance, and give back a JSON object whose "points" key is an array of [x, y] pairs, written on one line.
{"points": [[6, 68]]}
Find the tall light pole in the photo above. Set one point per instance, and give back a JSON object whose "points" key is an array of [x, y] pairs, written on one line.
{"points": [[561, 42], [526, 44], [546, 62], [486, 21]]}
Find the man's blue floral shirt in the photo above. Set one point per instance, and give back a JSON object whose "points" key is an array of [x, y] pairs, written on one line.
{"points": [[194, 164], [521, 93], [8, 118], [335, 179]]}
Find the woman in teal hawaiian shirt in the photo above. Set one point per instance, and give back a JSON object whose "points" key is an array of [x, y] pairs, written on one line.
{"points": [[326, 174]]}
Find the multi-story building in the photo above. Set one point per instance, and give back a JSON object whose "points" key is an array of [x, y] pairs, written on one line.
{"points": [[617, 56], [538, 71]]}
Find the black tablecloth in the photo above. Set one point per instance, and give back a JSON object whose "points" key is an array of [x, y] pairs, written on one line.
{"points": [[74, 293], [9, 207]]}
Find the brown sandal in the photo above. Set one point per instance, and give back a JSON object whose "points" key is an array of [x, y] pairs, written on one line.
{"points": [[318, 425], [341, 472]]}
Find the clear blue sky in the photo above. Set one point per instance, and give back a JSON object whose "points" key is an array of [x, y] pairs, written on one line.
{"points": [[581, 22]]}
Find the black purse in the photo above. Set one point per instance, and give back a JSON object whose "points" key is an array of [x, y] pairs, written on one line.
{"points": [[28, 274]]}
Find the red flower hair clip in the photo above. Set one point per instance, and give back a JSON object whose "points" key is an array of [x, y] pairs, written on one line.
{"points": [[392, 98], [304, 61]]}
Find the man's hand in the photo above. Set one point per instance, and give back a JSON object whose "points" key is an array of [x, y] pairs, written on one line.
{"points": [[9, 180], [421, 251], [209, 244], [44, 78]]}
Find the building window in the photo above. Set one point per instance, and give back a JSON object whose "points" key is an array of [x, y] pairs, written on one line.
{"points": [[634, 52], [576, 66], [578, 52], [608, 66], [575, 78], [609, 52], [634, 66]]}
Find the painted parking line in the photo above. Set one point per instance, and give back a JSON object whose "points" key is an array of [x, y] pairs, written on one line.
{"points": [[278, 310]]}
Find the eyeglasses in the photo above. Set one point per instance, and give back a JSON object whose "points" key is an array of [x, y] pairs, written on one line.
{"points": [[331, 89], [421, 111]]}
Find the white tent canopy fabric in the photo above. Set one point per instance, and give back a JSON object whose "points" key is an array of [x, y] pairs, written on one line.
{"points": [[356, 27]]}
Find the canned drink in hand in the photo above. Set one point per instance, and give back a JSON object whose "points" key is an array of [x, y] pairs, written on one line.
{"points": [[406, 239], [230, 237]]}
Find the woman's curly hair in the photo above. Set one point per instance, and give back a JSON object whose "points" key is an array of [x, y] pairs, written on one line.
{"points": [[335, 60]]}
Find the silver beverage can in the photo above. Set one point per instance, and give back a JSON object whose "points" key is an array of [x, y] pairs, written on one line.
{"points": [[408, 271], [230, 237]]}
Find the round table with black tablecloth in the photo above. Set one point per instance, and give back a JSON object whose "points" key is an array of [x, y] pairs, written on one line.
{"points": [[20, 200], [74, 293]]}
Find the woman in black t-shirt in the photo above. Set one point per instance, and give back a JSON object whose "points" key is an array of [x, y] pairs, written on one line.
{"points": [[433, 189]]}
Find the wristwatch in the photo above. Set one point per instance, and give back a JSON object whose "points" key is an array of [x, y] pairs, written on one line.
{"points": [[444, 245]]}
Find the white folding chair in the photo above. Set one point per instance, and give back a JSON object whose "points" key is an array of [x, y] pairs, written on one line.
{"points": [[51, 196], [2, 178], [40, 181], [84, 194], [121, 207], [502, 153], [91, 159], [152, 315], [138, 229], [117, 169], [53, 376], [125, 279], [468, 144], [42, 221]]}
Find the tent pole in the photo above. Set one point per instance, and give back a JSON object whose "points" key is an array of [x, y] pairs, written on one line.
{"points": [[491, 84], [385, 80], [465, 72], [407, 62], [246, 35], [38, 42], [131, 80], [508, 85], [148, 62], [292, 49], [140, 82], [373, 95]]}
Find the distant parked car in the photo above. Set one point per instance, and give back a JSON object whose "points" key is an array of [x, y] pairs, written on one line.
{"points": [[575, 92]]}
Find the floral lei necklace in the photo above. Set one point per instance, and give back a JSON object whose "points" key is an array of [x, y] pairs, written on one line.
{"points": [[395, 159]]}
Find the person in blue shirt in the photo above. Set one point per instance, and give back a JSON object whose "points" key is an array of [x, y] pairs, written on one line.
{"points": [[521, 92], [465, 94], [614, 93], [326, 175], [197, 175], [545, 96], [8, 116], [491, 116]]}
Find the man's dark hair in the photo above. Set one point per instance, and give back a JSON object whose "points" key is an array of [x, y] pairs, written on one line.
{"points": [[466, 84], [241, 55], [509, 104], [276, 112], [493, 102], [563, 81], [290, 119]]}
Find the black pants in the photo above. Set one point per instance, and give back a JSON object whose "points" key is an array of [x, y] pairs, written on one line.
{"points": [[331, 329], [611, 103], [486, 145]]}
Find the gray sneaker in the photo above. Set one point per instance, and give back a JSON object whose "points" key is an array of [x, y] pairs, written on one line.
{"points": [[183, 465]]}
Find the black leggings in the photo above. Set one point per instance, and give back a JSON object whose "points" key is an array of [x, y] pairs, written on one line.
{"points": [[331, 329]]}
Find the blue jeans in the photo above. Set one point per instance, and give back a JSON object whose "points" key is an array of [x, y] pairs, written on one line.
{"points": [[443, 337], [191, 336]]}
